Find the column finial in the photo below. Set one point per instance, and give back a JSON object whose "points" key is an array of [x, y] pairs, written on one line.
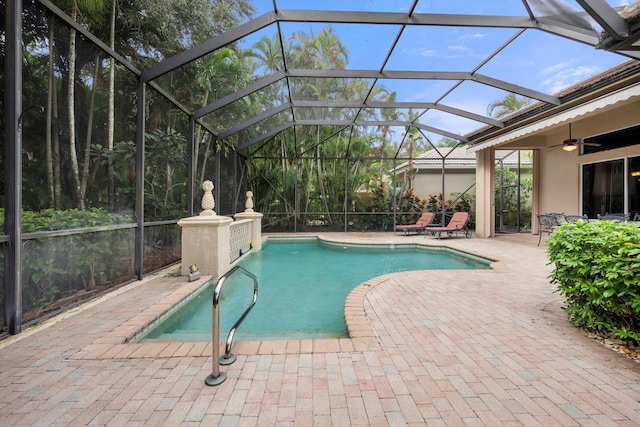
{"points": [[249, 204], [208, 203]]}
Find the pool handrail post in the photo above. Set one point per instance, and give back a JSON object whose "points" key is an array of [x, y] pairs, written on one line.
{"points": [[216, 376], [228, 358]]}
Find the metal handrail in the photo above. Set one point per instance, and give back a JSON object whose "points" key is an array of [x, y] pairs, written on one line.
{"points": [[216, 376]]}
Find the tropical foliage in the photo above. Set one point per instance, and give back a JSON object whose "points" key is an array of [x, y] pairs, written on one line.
{"points": [[304, 175], [512, 194], [79, 130], [80, 104]]}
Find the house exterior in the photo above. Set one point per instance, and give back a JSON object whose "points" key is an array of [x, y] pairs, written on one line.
{"points": [[601, 175], [459, 166]]}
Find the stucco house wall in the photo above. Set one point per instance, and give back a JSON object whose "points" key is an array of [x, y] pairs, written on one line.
{"points": [[428, 182], [557, 173]]}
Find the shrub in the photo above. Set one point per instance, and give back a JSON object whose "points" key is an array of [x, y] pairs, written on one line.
{"points": [[597, 270]]}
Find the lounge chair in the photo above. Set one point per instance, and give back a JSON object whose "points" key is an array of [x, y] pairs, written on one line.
{"points": [[459, 223], [424, 220]]}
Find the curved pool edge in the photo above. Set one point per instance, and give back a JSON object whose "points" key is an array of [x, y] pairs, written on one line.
{"points": [[362, 336]]}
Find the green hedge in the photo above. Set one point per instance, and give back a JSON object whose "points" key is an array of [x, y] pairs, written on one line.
{"points": [[51, 219], [55, 268], [597, 270]]}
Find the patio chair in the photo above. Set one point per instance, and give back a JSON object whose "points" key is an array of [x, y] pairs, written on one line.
{"points": [[613, 217], [560, 217], [546, 223], [636, 217], [425, 219], [576, 218], [459, 222]]}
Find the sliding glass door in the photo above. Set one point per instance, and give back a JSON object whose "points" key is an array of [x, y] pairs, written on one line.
{"points": [[633, 187], [611, 187]]}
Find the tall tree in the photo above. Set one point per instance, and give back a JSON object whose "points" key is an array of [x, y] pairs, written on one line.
{"points": [[111, 113], [413, 136], [388, 114], [324, 51], [53, 184], [87, 6]]}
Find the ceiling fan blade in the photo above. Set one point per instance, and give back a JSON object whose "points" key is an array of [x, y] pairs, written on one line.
{"points": [[591, 144]]}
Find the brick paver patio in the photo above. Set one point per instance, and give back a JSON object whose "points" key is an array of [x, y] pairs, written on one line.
{"points": [[441, 348]]}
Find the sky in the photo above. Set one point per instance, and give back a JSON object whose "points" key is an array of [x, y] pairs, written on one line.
{"points": [[534, 59]]}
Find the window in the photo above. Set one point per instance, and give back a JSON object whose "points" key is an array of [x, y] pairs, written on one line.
{"points": [[618, 139], [611, 187]]}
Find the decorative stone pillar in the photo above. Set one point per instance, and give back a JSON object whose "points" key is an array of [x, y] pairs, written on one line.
{"points": [[205, 238], [256, 217]]}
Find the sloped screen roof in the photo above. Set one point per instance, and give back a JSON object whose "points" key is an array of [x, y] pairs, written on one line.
{"points": [[363, 65]]}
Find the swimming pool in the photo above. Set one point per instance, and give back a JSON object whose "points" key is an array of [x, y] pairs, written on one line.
{"points": [[303, 286]]}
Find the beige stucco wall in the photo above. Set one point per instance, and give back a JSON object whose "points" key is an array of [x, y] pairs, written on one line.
{"points": [[429, 182], [559, 180]]}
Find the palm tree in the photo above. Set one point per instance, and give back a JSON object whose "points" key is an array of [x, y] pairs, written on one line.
{"points": [[267, 50], [510, 104], [223, 68], [414, 136], [324, 51], [447, 142], [388, 114]]}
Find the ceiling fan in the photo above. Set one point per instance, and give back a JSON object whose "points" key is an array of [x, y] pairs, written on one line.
{"points": [[572, 143]]}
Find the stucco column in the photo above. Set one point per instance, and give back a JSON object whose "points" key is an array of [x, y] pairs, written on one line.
{"points": [[256, 217], [485, 200], [535, 193], [205, 239]]}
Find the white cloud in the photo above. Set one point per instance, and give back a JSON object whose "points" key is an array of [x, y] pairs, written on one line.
{"points": [[475, 36], [417, 51], [556, 68], [561, 77]]}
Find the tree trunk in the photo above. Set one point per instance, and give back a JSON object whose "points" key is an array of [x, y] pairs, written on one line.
{"points": [[111, 113], [196, 140], [87, 148], [73, 155], [57, 174], [205, 157], [383, 141], [323, 193], [50, 98]]}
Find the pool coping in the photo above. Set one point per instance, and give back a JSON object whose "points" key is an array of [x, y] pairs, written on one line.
{"points": [[120, 343]]}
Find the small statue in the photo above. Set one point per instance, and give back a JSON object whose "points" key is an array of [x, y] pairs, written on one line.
{"points": [[194, 273], [207, 200]]}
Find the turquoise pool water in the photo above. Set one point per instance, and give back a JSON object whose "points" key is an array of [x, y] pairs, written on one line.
{"points": [[302, 289]]}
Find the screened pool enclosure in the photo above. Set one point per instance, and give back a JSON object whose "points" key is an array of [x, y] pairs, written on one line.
{"points": [[115, 112]]}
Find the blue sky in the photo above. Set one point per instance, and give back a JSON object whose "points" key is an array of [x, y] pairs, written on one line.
{"points": [[535, 60]]}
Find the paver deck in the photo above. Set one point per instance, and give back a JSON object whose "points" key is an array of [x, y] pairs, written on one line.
{"points": [[441, 348]]}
